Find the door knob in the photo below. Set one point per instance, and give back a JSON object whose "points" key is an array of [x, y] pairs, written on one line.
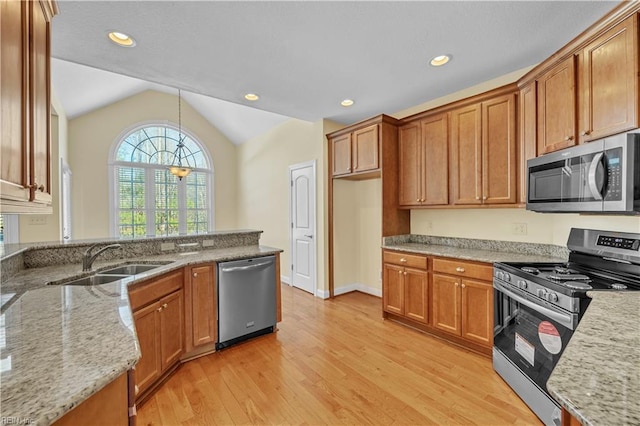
{"points": [[308, 236]]}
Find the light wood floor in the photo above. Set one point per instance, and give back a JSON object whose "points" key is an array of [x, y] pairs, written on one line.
{"points": [[337, 362]]}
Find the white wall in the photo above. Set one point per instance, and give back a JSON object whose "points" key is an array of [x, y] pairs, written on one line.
{"points": [[263, 184], [92, 135], [497, 224], [33, 228]]}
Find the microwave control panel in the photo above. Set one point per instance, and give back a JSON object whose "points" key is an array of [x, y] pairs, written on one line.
{"points": [[614, 175]]}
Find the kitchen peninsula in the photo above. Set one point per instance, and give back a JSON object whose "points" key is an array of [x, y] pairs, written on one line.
{"points": [[66, 343]]}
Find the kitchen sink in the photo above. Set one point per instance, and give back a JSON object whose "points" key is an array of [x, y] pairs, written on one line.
{"points": [[95, 280], [131, 269]]}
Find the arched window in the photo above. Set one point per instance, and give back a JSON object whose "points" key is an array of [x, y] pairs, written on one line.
{"points": [[150, 201]]}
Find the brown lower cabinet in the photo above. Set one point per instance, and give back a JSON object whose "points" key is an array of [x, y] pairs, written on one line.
{"points": [[107, 407], [158, 315], [406, 286], [450, 298], [200, 308]]}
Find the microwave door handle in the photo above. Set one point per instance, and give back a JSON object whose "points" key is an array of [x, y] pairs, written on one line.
{"points": [[591, 176]]}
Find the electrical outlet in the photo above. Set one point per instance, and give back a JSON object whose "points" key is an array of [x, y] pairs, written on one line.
{"points": [[167, 246], [38, 220], [207, 243], [519, 228]]}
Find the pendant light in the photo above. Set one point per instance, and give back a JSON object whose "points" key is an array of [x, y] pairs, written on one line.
{"points": [[177, 168]]}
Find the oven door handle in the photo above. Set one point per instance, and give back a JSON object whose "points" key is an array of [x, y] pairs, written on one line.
{"points": [[563, 319]]}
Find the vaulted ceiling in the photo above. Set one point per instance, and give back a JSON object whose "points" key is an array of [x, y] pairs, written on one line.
{"points": [[302, 58]]}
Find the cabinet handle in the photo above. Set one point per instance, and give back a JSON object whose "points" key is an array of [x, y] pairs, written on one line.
{"points": [[462, 285], [159, 309], [349, 169], [418, 200], [585, 133], [457, 284], [400, 272], [405, 273], [136, 389], [477, 197], [459, 269], [568, 138], [403, 260], [164, 306], [484, 198], [195, 275]]}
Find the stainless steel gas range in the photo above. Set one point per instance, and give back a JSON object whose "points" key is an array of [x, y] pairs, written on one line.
{"points": [[539, 305]]}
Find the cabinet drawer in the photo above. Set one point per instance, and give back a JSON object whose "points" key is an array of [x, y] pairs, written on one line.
{"points": [[463, 269], [404, 259], [149, 291]]}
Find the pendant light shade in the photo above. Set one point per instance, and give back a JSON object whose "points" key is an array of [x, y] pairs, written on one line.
{"points": [[177, 168]]}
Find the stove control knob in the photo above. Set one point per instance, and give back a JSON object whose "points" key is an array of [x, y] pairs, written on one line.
{"points": [[507, 277], [552, 297], [522, 284], [500, 275], [542, 293]]}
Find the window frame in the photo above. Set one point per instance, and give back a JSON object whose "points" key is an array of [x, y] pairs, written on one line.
{"points": [[149, 170]]}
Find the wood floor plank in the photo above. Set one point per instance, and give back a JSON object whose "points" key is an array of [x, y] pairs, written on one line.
{"points": [[337, 362]]}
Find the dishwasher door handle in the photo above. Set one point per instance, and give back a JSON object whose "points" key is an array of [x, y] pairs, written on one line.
{"points": [[247, 268]]}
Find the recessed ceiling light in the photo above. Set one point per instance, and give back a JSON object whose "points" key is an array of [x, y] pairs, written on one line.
{"points": [[347, 102], [121, 39], [251, 97], [440, 60]]}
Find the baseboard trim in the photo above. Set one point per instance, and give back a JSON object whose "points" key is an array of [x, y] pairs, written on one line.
{"points": [[285, 279], [322, 294], [362, 288]]}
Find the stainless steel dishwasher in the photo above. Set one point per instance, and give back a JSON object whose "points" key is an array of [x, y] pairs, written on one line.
{"points": [[246, 299]]}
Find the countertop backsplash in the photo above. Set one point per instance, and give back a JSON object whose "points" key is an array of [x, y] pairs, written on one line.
{"points": [[476, 244], [38, 255]]}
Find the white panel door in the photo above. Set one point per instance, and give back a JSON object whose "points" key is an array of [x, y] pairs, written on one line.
{"points": [[303, 226]]}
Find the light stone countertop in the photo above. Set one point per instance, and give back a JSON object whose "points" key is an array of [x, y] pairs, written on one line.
{"points": [[64, 343], [475, 254], [598, 376]]}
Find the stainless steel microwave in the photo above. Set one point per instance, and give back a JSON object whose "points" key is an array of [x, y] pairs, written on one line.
{"points": [[599, 176]]}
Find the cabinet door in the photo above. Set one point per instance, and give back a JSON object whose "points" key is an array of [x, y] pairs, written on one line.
{"points": [[410, 165], [609, 82], [14, 25], [557, 108], [499, 150], [341, 148], [40, 119], [171, 328], [435, 160], [528, 129], [393, 289], [477, 312], [466, 152], [446, 303], [202, 300], [365, 154], [147, 322], [416, 295]]}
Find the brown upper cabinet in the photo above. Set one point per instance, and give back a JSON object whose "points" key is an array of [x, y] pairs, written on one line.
{"points": [[608, 71], [483, 152], [593, 93], [527, 128], [25, 175], [423, 157], [356, 152]]}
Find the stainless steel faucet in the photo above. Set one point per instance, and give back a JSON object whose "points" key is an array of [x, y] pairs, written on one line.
{"points": [[88, 258]]}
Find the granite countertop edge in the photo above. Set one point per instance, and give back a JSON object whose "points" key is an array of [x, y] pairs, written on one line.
{"points": [[48, 414], [473, 254], [608, 394]]}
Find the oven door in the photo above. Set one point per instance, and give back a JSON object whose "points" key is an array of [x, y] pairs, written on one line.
{"points": [[531, 334]]}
